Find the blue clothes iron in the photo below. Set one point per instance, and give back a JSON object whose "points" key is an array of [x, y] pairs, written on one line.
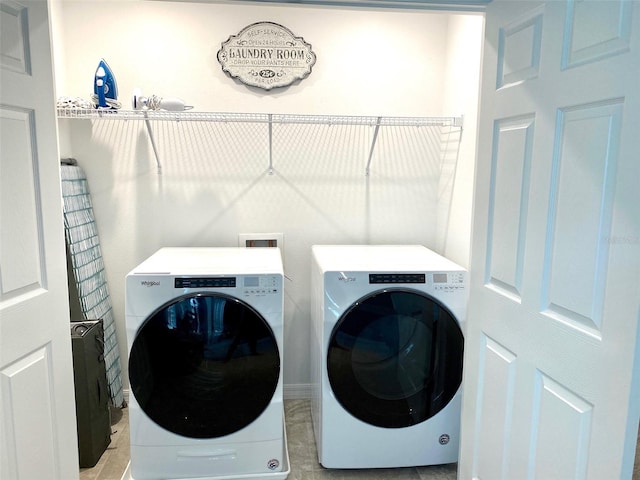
{"points": [[104, 86]]}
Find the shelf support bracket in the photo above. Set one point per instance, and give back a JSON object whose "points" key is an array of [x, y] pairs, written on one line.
{"points": [[373, 145], [270, 144], [153, 142]]}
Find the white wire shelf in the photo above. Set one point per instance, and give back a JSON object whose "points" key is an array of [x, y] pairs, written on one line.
{"points": [[267, 118], [191, 116]]}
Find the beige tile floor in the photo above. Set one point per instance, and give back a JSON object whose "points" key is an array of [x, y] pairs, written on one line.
{"points": [[302, 454], [114, 460], [304, 462]]}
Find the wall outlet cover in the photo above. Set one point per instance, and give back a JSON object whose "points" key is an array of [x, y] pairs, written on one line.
{"points": [[249, 240]]}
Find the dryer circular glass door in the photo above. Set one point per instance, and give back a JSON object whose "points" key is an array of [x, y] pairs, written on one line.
{"points": [[204, 365], [395, 358]]}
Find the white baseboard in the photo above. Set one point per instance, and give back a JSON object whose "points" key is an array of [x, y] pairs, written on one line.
{"points": [[292, 391]]}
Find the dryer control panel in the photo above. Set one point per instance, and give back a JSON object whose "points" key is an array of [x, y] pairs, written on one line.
{"points": [[250, 284], [448, 282], [260, 285]]}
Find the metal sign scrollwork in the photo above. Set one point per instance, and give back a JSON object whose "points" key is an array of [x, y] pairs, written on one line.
{"points": [[266, 55]]}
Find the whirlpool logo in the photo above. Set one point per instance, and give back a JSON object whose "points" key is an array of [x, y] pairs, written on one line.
{"points": [[150, 283], [345, 278]]}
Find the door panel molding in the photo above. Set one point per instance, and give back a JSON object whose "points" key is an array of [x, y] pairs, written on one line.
{"points": [[495, 404], [27, 403], [519, 50], [21, 251], [595, 31], [559, 449], [580, 214], [508, 204], [15, 53]]}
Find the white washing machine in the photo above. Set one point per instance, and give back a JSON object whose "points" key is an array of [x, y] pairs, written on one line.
{"points": [[205, 337], [387, 348]]}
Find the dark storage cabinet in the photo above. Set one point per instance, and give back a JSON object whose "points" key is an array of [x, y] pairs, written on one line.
{"points": [[92, 398]]}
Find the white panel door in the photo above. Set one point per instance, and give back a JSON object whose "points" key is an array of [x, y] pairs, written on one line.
{"points": [[550, 388], [37, 415]]}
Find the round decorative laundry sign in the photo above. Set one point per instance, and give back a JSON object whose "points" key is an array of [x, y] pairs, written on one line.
{"points": [[266, 55]]}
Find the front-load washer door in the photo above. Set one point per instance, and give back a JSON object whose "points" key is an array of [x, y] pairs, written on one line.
{"points": [[395, 358], [204, 365]]}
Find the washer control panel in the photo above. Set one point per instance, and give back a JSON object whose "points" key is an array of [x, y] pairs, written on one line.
{"points": [[251, 285], [377, 278], [204, 282]]}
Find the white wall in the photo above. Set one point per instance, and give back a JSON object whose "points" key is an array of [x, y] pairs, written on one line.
{"points": [[369, 62], [214, 183], [463, 57]]}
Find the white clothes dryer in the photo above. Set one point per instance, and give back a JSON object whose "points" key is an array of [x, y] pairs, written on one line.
{"points": [[205, 338], [387, 348]]}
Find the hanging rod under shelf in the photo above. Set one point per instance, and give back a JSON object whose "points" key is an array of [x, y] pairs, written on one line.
{"points": [[191, 116]]}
